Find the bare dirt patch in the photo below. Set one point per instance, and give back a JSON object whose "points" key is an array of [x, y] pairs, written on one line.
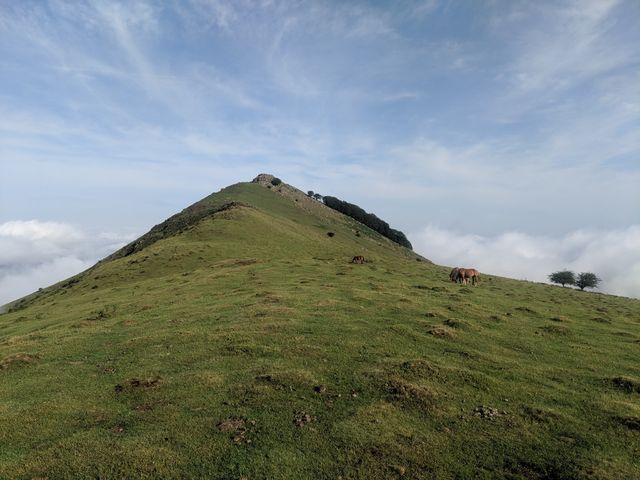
{"points": [[239, 428], [455, 323], [137, 383], [440, 331]]}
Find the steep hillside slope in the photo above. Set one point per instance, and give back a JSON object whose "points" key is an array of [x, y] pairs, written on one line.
{"points": [[241, 343]]}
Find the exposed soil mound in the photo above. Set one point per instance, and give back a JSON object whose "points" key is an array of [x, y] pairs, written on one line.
{"points": [[441, 331], [410, 394]]}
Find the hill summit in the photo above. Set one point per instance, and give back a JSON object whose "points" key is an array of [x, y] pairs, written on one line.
{"points": [[237, 339]]}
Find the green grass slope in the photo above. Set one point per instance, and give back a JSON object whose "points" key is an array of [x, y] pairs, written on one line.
{"points": [[243, 344]]}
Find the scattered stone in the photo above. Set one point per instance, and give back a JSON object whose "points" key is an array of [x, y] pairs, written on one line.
{"points": [[302, 419], [135, 383], [484, 411]]}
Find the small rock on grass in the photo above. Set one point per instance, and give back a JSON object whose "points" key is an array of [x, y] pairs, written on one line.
{"points": [[320, 388], [484, 411]]}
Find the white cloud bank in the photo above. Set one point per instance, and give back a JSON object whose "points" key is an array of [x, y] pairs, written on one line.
{"points": [[612, 255], [36, 254]]}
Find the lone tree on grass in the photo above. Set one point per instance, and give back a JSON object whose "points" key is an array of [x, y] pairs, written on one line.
{"points": [[564, 277], [587, 280]]}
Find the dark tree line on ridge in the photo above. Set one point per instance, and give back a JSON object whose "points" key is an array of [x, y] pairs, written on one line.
{"points": [[582, 281], [369, 219]]}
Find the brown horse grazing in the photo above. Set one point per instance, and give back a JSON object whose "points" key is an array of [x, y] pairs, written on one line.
{"points": [[358, 259], [464, 274]]}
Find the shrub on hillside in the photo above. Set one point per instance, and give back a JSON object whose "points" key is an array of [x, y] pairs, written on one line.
{"points": [[276, 181]]}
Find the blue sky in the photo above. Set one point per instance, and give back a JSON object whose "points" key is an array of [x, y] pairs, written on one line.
{"points": [[472, 124]]}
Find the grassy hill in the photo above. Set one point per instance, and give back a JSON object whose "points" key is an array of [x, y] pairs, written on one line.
{"points": [[237, 341]]}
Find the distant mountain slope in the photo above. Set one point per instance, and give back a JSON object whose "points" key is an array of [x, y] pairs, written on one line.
{"points": [[240, 342]]}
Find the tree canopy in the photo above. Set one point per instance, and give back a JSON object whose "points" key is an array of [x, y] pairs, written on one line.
{"points": [[587, 280], [564, 277], [369, 219]]}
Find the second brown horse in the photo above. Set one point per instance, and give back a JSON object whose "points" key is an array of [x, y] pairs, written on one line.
{"points": [[466, 274]]}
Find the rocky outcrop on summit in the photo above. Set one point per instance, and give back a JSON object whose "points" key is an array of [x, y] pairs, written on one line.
{"points": [[264, 179]]}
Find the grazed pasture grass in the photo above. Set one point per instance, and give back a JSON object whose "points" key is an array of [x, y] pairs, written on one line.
{"points": [[249, 346]]}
